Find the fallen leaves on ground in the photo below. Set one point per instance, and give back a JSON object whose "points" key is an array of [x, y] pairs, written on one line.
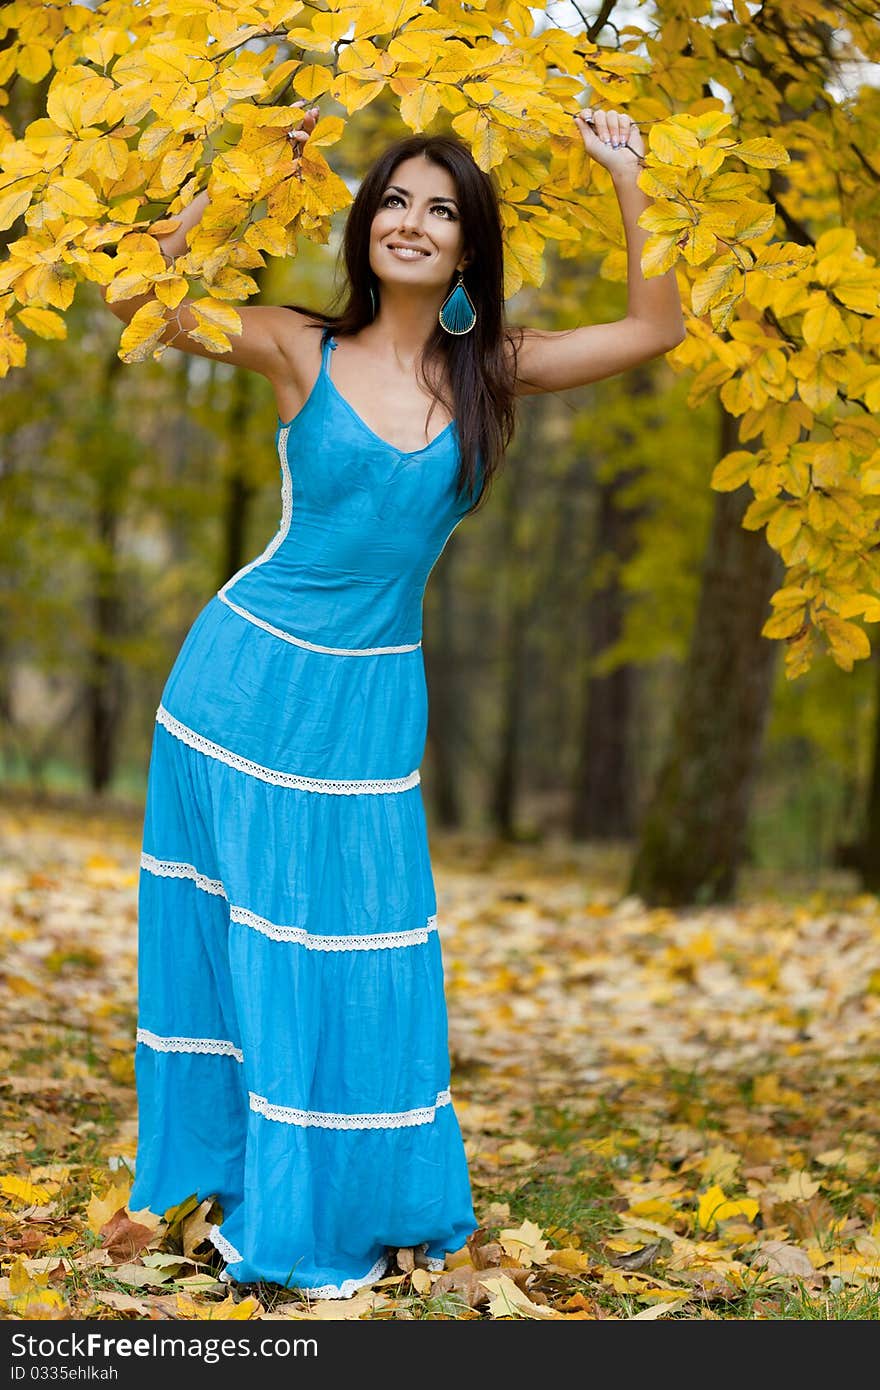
{"points": [[666, 1114]]}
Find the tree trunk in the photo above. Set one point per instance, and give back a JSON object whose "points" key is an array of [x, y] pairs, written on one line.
{"points": [[104, 684], [603, 806], [692, 835], [604, 800], [510, 705], [520, 576], [865, 856]]}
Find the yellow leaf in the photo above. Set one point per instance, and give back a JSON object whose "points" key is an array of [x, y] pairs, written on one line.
{"points": [[761, 152], [831, 1157], [222, 315], [34, 61], [525, 1244], [421, 1281], [733, 470], [674, 143], [14, 203], [784, 624], [42, 322], [699, 245], [100, 1209], [665, 216], [176, 166], [866, 605], [485, 137], [217, 1312], [525, 169], [712, 284], [238, 171], [818, 390], [508, 1301], [753, 219], [143, 332], [575, 1261], [848, 642], [797, 1187], [121, 1068], [708, 124], [170, 292], [823, 326], [784, 524], [73, 197], [839, 241], [353, 94], [23, 1190], [313, 81], [719, 1165], [713, 1206], [659, 253], [517, 1151], [783, 258], [522, 260], [659, 1310], [652, 1207]]}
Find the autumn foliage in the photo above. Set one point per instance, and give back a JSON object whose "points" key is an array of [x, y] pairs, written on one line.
{"points": [[761, 163]]}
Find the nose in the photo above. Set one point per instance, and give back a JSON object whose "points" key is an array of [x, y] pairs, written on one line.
{"points": [[410, 223]]}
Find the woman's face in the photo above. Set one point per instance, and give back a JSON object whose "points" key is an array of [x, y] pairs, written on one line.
{"points": [[418, 210]]}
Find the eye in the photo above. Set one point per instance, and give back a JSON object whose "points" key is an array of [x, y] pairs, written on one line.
{"points": [[442, 207]]}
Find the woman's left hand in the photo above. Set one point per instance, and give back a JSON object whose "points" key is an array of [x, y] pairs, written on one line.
{"points": [[612, 138]]}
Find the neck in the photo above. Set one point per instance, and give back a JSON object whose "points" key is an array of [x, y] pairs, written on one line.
{"points": [[404, 322]]}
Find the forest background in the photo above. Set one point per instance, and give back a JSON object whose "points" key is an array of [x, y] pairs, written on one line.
{"points": [[607, 601], [649, 656]]}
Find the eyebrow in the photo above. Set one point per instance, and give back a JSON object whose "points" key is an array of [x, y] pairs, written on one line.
{"points": [[439, 199]]}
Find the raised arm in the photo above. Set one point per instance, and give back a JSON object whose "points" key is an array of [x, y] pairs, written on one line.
{"points": [[653, 323], [265, 328]]}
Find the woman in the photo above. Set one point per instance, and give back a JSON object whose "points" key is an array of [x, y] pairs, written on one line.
{"points": [[292, 1056]]}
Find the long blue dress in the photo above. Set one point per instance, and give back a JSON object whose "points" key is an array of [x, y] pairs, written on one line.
{"points": [[292, 1054]]}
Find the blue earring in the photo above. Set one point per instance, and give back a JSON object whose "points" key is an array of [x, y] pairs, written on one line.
{"points": [[457, 313]]}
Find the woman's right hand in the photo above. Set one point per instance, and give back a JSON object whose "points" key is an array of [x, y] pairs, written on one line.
{"points": [[298, 137]]}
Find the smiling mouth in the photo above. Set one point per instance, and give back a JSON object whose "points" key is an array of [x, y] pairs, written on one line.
{"points": [[409, 253]]}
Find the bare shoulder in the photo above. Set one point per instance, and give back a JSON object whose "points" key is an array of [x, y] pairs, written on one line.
{"points": [[299, 344], [518, 343]]}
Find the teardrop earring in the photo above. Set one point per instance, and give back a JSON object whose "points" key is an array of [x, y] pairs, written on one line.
{"points": [[457, 313]]}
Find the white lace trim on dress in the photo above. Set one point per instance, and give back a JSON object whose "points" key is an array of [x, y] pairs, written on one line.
{"points": [[315, 646], [350, 1286], [286, 516], [343, 1290], [226, 1248], [282, 779], [217, 1047], [276, 541], [313, 941], [377, 941], [327, 1119], [171, 868]]}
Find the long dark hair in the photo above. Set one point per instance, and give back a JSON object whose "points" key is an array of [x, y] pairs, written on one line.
{"points": [[479, 369]]}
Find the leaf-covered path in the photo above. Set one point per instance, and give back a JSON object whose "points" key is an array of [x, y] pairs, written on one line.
{"points": [[667, 1114]]}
